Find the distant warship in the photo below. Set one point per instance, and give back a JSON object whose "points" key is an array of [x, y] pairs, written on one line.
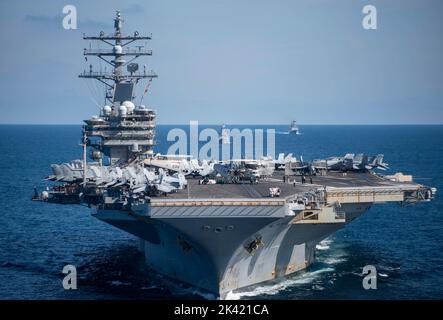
{"points": [[224, 135], [294, 128], [219, 226]]}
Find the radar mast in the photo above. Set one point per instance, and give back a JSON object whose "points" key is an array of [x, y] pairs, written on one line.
{"points": [[122, 130]]}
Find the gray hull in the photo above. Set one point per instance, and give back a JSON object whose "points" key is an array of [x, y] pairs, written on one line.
{"points": [[224, 254]]}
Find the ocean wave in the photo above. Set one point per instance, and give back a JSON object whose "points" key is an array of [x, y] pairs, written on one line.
{"points": [[179, 290], [273, 289], [205, 295], [119, 283], [324, 244], [388, 268], [334, 260], [9, 264], [152, 287]]}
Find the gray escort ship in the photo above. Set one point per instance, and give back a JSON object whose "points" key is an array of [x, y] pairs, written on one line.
{"points": [[219, 226]]}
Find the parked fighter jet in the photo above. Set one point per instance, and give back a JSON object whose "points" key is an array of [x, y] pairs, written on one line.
{"points": [[134, 177], [180, 163], [351, 162], [281, 161], [340, 163], [67, 172], [261, 168], [235, 172], [377, 162], [177, 163], [301, 167], [200, 168]]}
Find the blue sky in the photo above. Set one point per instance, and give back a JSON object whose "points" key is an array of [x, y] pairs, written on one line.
{"points": [[234, 61]]}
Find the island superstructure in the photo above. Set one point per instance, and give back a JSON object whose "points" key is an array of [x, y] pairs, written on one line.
{"points": [[220, 226], [121, 131]]}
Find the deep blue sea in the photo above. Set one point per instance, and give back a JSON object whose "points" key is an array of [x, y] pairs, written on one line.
{"points": [[38, 239]]}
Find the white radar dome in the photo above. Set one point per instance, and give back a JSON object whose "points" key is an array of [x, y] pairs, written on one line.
{"points": [[123, 110], [107, 110], [129, 106], [118, 49]]}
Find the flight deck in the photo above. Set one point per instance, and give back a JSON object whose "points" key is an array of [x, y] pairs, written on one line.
{"points": [[293, 185]]}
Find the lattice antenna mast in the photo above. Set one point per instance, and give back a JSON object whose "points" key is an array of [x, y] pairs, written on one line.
{"points": [[122, 131], [118, 56]]}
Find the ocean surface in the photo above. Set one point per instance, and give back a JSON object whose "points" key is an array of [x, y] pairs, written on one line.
{"points": [[37, 239]]}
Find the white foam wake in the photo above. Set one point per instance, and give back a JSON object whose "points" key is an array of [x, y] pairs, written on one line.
{"points": [[272, 289], [334, 260], [324, 244]]}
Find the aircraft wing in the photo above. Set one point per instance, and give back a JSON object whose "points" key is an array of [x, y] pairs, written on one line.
{"points": [[164, 187], [222, 169], [139, 188]]}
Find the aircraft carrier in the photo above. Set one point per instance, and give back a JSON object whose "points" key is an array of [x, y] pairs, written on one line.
{"points": [[220, 226]]}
